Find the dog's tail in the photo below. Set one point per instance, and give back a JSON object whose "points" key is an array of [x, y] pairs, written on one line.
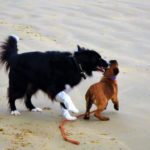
{"points": [[9, 48]]}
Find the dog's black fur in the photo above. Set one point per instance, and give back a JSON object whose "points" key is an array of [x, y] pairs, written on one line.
{"points": [[48, 71]]}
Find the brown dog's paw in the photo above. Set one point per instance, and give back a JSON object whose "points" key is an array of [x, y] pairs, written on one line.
{"points": [[86, 117], [116, 107], [102, 118]]}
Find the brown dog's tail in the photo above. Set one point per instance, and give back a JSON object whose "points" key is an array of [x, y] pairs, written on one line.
{"points": [[89, 103], [87, 95]]}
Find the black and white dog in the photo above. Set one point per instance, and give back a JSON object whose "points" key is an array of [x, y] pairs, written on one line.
{"points": [[50, 71]]}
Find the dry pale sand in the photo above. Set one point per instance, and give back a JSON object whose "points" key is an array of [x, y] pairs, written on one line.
{"points": [[118, 29]]}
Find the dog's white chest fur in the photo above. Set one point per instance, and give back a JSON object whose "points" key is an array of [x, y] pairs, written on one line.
{"points": [[67, 88]]}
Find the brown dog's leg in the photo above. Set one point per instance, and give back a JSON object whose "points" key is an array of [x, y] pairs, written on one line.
{"points": [[88, 107], [98, 114], [116, 103], [106, 106]]}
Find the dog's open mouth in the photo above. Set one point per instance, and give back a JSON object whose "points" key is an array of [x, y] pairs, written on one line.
{"points": [[102, 69]]}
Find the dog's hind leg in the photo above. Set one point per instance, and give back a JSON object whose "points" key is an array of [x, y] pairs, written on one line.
{"points": [[99, 116], [12, 106], [12, 96], [100, 107], [88, 107], [29, 92]]}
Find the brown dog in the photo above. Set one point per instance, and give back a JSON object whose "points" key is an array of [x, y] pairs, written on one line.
{"points": [[99, 93]]}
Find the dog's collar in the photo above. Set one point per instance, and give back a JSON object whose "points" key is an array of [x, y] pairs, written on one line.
{"points": [[79, 66], [113, 78]]}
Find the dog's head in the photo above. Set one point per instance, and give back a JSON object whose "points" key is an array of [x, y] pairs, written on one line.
{"points": [[90, 60], [112, 70]]}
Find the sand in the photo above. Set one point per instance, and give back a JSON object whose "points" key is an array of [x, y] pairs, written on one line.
{"points": [[118, 29]]}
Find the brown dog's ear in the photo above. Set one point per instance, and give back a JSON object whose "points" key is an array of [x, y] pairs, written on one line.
{"points": [[113, 62], [116, 71]]}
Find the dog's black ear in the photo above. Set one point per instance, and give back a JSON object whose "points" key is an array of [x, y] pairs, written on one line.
{"points": [[80, 48]]}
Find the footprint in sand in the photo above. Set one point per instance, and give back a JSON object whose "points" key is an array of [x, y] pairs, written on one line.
{"points": [[3, 22], [1, 129], [108, 142], [93, 140], [18, 138], [27, 30]]}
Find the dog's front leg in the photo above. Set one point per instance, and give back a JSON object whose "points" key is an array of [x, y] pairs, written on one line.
{"points": [[64, 98], [116, 103], [65, 113]]}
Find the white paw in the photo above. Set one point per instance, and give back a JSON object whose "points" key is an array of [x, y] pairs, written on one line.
{"points": [[71, 118], [66, 114], [15, 113], [74, 110], [37, 110]]}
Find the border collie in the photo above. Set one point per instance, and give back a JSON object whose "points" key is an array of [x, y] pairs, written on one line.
{"points": [[49, 71]]}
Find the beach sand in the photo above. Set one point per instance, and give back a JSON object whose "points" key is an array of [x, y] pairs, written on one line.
{"points": [[118, 29]]}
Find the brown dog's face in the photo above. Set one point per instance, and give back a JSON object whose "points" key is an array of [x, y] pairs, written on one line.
{"points": [[112, 70]]}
